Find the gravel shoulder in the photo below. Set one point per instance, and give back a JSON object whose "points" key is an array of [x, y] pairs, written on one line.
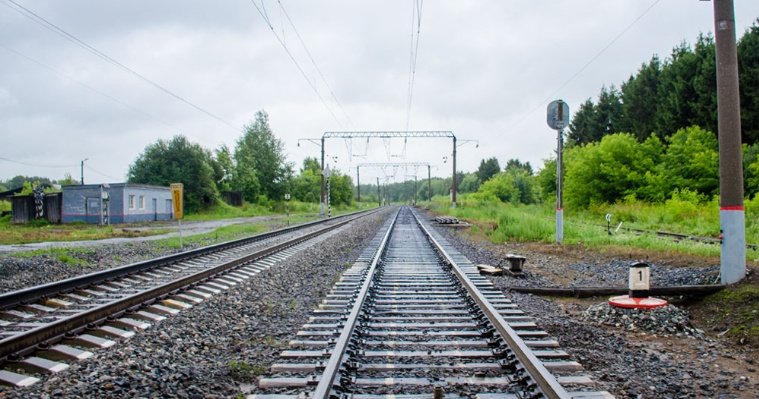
{"points": [[627, 359], [219, 346], [210, 350]]}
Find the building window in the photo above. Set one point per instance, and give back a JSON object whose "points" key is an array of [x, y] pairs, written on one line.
{"points": [[142, 202], [131, 202]]}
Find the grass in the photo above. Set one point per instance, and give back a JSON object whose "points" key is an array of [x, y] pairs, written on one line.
{"points": [[734, 310], [37, 231], [69, 256], [245, 370], [502, 222], [42, 231], [224, 233]]}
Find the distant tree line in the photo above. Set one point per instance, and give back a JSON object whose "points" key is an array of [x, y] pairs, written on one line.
{"points": [[256, 167], [651, 140], [34, 181], [667, 95]]}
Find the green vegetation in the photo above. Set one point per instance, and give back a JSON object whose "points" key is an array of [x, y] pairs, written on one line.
{"points": [[42, 231], [222, 234], [667, 95], [505, 222], [69, 256], [244, 370], [178, 160], [257, 168], [734, 310]]}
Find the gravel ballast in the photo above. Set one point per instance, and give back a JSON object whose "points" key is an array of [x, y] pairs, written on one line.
{"points": [[630, 353], [224, 343], [213, 348]]}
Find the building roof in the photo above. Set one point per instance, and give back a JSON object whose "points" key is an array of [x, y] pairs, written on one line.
{"points": [[114, 185]]}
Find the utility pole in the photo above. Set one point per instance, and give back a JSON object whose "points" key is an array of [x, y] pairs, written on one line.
{"points": [[81, 171], [429, 184], [321, 196], [379, 198], [453, 181], [560, 183], [732, 212], [358, 184], [414, 190]]}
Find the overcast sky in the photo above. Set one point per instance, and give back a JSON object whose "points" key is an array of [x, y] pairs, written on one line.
{"points": [[485, 70]]}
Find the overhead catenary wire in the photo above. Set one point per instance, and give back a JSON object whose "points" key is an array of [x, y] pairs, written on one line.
{"points": [[70, 37], [416, 26], [262, 11], [36, 165], [85, 85], [91, 169], [586, 65], [313, 62]]}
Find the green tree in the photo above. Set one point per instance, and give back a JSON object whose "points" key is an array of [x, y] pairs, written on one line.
{"points": [[605, 172], [18, 181], [691, 161], [609, 114], [676, 91], [546, 180], [469, 184], [640, 99], [68, 180], [306, 186], [178, 161], [515, 164], [488, 168], [751, 169], [655, 185], [341, 188], [261, 167], [748, 72], [593, 121], [703, 107], [583, 128], [515, 186], [224, 168]]}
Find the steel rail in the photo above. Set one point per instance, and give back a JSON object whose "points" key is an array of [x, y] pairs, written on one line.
{"points": [[332, 368], [26, 342], [547, 383], [33, 294]]}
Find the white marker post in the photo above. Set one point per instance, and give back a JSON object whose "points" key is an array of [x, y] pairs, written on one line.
{"points": [[640, 284], [558, 119], [639, 280], [287, 208]]}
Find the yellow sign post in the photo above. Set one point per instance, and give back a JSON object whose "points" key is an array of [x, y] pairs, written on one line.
{"points": [[176, 199], [178, 206]]}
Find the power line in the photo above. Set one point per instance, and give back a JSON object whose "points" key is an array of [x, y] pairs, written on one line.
{"points": [[106, 95], [55, 29], [37, 165], [262, 11], [310, 56], [416, 19], [91, 169], [586, 65]]}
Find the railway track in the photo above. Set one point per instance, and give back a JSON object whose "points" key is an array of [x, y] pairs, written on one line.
{"points": [[412, 318], [41, 328]]}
